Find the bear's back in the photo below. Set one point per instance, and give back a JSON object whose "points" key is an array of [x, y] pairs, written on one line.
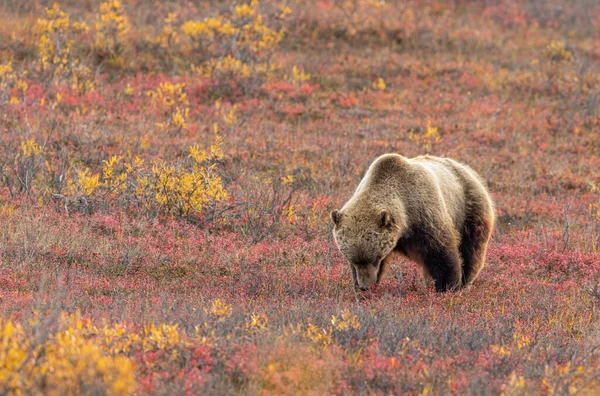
{"points": [[448, 182], [422, 182]]}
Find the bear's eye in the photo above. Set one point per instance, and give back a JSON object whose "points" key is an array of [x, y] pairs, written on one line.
{"points": [[361, 263], [376, 262]]}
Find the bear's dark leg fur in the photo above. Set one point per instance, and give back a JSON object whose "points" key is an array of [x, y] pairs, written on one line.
{"points": [[474, 240], [354, 278], [440, 258], [444, 266]]}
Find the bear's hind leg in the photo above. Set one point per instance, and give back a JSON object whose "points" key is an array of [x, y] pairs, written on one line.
{"points": [[473, 246]]}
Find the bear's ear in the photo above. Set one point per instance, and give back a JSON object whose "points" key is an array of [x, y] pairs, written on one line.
{"points": [[386, 220], [336, 217]]}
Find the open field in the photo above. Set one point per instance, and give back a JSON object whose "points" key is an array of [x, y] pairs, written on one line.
{"points": [[167, 171]]}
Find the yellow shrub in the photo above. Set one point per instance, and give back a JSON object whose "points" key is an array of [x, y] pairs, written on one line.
{"points": [[237, 45], [172, 101], [13, 353], [54, 47], [557, 51], [55, 57], [220, 310], [199, 31], [68, 362], [345, 321], [30, 148], [169, 95], [257, 322], [111, 25], [10, 79], [88, 183], [298, 75], [227, 113], [379, 84], [168, 35], [321, 338], [181, 188], [161, 337], [228, 66], [182, 192], [113, 180]]}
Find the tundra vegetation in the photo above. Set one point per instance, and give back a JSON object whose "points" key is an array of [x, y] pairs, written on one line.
{"points": [[167, 169]]}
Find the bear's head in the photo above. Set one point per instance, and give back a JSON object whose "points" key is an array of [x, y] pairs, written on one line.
{"points": [[365, 236]]}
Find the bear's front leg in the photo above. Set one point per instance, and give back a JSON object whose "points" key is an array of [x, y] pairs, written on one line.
{"points": [[382, 268], [354, 277], [444, 266]]}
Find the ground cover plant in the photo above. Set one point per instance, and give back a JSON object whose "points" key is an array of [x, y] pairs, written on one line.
{"points": [[167, 170]]}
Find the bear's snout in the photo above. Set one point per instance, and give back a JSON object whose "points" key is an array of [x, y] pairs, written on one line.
{"points": [[366, 275]]}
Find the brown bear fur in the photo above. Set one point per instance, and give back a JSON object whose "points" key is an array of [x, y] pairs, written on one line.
{"points": [[435, 211]]}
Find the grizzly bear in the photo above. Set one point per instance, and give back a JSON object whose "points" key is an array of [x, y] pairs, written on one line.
{"points": [[435, 211]]}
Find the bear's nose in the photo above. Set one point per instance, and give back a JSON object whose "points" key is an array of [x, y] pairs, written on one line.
{"points": [[362, 288]]}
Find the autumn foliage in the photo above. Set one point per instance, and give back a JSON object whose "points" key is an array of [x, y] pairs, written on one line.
{"points": [[167, 170]]}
